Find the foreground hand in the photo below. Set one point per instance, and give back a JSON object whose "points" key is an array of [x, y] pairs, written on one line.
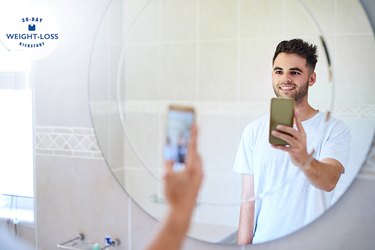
{"points": [[181, 188], [296, 138]]}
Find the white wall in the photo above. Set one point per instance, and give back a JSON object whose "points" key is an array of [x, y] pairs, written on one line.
{"points": [[77, 193]]}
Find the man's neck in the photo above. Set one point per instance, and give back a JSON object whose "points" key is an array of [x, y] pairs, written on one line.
{"points": [[305, 111]]}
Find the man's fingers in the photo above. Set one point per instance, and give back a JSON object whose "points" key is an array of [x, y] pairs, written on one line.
{"points": [[169, 166], [288, 138], [280, 147], [288, 130], [193, 138], [192, 147], [194, 161]]}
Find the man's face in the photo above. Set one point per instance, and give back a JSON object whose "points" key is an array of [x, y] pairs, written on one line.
{"points": [[291, 77]]}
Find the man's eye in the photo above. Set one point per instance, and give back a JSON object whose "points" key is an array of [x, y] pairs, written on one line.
{"points": [[296, 73], [278, 72]]}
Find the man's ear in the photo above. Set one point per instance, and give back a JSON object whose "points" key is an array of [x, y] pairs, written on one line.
{"points": [[312, 78]]}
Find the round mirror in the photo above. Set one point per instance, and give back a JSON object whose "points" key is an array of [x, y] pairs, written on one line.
{"points": [[217, 57]]}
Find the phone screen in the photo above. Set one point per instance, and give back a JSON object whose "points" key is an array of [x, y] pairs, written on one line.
{"points": [[179, 122], [282, 112]]}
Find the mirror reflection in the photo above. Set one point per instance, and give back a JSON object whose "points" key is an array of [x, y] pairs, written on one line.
{"points": [[217, 56], [316, 149]]}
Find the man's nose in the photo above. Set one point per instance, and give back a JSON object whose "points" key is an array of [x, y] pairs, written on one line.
{"points": [[287, 79]]}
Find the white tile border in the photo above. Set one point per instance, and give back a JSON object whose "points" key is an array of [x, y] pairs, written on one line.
{"points": [[76, 142], [362, 111]]}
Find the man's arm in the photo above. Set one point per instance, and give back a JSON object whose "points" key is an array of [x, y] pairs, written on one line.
{"points": [[181, 190], [173, 231], [322, 174], [246, 221]]}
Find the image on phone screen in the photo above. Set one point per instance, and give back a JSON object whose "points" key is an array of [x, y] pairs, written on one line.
{"points": [[178, 129]]}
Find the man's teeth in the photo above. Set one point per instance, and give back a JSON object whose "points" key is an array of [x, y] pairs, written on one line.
{"points": [[286, 87]]}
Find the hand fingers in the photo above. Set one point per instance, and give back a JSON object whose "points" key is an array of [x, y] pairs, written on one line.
{"points": [[292, 131], [192, 147], [193, 161], [280, 147], [169, 166], [288, 130], [288, 138], [193, 138]]}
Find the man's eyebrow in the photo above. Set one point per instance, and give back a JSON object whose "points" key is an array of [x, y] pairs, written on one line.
{"points": [[277, 68], [296, 69]]}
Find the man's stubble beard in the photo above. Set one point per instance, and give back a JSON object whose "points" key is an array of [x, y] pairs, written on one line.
{"points": [[298, 96]]}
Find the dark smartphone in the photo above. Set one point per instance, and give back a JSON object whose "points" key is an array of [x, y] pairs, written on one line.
{"points": [[178, 128], [282, 113]]}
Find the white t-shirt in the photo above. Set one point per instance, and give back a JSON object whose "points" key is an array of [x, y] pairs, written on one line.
{"points": [[287, 199]]}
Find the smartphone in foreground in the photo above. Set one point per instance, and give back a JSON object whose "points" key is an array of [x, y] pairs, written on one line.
{"points": [[282, 113], [178, 128]]}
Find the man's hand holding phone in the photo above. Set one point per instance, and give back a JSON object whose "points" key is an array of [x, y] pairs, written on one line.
{"points": [[283, 136], [296, 140]]}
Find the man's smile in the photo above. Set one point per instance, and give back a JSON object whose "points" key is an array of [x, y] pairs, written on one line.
{"points": [[287, 87]]}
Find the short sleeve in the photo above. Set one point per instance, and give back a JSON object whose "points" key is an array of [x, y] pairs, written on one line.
{"points": [[337, 143], [243, 162]]}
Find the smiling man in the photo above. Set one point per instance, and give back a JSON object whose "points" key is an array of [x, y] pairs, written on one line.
{"points": [[306, 171]]}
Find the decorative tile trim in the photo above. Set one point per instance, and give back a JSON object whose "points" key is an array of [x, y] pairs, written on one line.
{"points": [[202, 108], [362, 111], [82, 142], [67, 141], [355, 110]]}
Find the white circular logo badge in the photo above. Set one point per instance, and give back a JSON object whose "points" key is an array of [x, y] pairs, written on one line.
{"points": [[31, 31]]}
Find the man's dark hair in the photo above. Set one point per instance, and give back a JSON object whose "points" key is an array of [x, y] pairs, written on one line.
{"points": [[299, 47]]}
